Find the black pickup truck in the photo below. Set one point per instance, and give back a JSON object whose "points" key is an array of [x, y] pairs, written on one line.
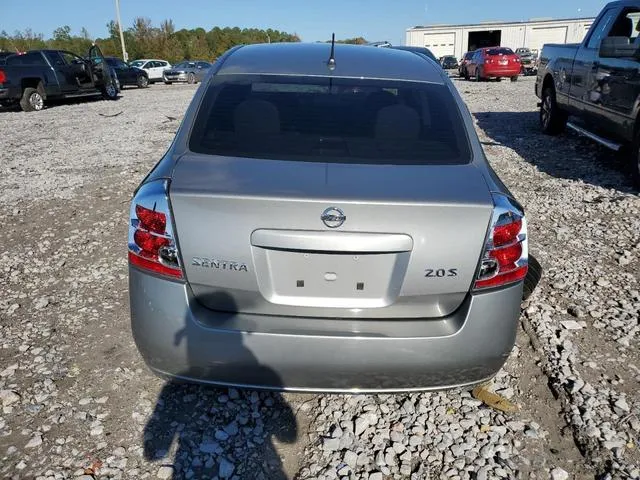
{"points": [[32, 78], [594, 87]]}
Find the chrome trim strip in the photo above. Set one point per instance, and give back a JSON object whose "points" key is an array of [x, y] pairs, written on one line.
{"points": [[596, 138]]}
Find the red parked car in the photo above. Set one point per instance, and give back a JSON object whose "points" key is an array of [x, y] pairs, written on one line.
{"points": [[494, 62]]}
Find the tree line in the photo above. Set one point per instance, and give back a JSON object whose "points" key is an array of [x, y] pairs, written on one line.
{"points": [[144, 40]]}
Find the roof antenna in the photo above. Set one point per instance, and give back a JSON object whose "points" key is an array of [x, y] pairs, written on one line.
{"points": [[332, 57]]}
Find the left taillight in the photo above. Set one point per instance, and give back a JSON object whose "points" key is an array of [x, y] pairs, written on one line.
{"points": [[152, 243], [505, 259], [3, 76]]}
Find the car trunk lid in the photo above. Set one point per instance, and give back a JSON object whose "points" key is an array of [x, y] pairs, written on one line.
{"points": [[252, 236]]}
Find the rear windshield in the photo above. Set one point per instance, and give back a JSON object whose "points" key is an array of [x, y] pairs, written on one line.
{"points": [[499, 51], [336, 120]]}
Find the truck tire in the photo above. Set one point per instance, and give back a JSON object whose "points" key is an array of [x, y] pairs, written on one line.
{"points": [[534, 274], [552, 120], [32, 100]]}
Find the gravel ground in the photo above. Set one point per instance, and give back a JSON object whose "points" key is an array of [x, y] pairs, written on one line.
{"points": [[78, 402]]}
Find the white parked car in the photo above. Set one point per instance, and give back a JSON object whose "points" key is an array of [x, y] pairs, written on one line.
{"points": [[153, 67]]}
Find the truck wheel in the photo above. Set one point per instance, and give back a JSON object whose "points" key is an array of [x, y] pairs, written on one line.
{"points": [[534, 273], [514, 79], [32, 100], [142, 81], [552, 120]]}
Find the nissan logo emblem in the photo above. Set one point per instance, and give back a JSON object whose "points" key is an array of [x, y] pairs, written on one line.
{"points": [[333, 217]]}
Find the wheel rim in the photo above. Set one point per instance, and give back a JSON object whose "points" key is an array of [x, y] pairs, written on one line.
{"points": [[191, 78], [545, 112], [143, 82], [111, 91], [36, 101]]}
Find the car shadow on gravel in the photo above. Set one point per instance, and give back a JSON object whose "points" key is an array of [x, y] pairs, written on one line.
{"points": [[567, 155], [200, 431]]}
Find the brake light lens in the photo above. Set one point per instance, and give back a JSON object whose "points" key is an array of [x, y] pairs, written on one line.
{"points": [[152, 245], [505, 259], [3, 76]]}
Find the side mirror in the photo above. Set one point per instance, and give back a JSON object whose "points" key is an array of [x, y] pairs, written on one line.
{"points": [[617, 47]]}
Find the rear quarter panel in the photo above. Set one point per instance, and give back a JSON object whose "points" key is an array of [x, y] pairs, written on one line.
{"points": [[556, 62]]}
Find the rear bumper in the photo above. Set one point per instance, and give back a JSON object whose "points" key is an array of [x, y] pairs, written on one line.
{"points": [[501, 72], [9, 93], [175, 336]]}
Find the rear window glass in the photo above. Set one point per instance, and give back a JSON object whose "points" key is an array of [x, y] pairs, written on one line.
{"points": [[499, 51], [31, 58], [330, 120]]}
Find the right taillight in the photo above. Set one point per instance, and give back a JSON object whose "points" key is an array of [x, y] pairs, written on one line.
{"points": [[505, 258], [152, 243], [3, 76]]}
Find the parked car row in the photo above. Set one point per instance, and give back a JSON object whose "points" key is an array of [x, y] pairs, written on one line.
{"points": [[26, 79]]}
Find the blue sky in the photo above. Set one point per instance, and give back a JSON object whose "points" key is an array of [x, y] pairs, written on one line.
{"points": [[311, 19]]}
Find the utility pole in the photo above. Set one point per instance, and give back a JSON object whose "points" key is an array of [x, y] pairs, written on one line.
{"points": [[125, 56]]}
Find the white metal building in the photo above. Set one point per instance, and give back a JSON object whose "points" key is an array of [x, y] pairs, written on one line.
{"points": [[458, 39]]}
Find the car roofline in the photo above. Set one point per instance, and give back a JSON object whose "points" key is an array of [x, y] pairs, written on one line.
{"points": [[434, 74], [345, 77]]}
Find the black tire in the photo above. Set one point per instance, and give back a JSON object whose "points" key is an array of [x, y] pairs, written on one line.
{"points": [[142, 81], [552, 120], [167, 83], [514, 79], [534, 274], [499, 79], [466, 74], [191, 78], [109, 92], [478, 77], [634, 160], [32, 100]]}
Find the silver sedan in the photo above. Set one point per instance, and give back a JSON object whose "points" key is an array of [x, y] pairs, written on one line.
{"points": [[190, 72], [326, 222]]}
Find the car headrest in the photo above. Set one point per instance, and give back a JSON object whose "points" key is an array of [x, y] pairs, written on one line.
{"points": [[622, 28], [398, 122], [256, 117]]}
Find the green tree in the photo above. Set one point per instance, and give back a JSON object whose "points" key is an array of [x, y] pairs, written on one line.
{"points": [[62, 34], [143, 39]]}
